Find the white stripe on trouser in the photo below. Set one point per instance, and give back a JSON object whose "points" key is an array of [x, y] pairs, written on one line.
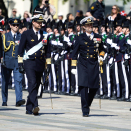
{"points": [[49, 84], [40, 87], [108, 79], [12, 79], [67, 76], [76, 78], [62, 75], [26, 82], [117, 80], [101, 91], [54, 76], [125, 79], [0, 76]]}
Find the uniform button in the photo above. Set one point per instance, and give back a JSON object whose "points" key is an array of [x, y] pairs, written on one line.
{"points": [[87, 50], [94, 50], [35, 57], [87, 57], [41, 58], [35, 53], [41, 54], [87, 46]]}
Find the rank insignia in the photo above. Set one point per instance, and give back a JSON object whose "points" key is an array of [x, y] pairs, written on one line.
{"points": [[15, 21], [86, 43], [32, 40], [92, 7]]}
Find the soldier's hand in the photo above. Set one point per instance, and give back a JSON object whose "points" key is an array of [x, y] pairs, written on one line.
{"points": [[21, 68], [74, 71]]}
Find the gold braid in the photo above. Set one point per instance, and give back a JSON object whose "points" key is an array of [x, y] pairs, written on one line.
{"points": [[7, 48]]}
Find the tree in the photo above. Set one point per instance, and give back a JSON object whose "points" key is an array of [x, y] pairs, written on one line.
{"points": [[124, 1]]}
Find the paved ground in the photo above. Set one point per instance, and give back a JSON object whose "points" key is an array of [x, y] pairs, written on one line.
{"points": [[66, 115]]}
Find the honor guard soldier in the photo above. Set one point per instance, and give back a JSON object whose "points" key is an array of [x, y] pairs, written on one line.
{"points": [[88, 66], [10, 63], [96, 10], [34, 47]]}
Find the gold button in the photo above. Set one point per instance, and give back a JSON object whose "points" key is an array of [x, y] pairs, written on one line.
{"points": [[94, 57], [87, 57], [87, 50], [87, 46], [94, 46], [35, 53], [87, 53], [94, 50], [35, 57], [41, 54], [41, 58]]}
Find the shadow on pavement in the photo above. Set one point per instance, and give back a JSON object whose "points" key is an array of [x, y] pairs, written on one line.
{"points": [[102, 115], [7, 109], [49, 97], [50, 114]]}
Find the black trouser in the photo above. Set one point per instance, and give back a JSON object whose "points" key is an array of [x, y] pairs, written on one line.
{"points": [[104, 80], [34, 80], [113, 81], [129, 79], [59, 77], [86, 98]]}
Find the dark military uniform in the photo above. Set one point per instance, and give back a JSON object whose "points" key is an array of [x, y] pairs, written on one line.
{"points": [[88, 66], [10, 58], [97, 10]]}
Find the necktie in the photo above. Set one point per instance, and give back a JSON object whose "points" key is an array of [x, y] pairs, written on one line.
{"points": [[14, 38], [37, 35]]}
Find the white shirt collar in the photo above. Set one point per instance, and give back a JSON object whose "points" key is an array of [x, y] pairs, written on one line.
{"points": [[71, 34], [103, 33], [14, 34], [126, 35], [57, 34], [90, 35], [36, 31], [50, 33], [120, 33]]}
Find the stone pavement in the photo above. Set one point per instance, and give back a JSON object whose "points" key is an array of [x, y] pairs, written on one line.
{"points": [[65, 115]]}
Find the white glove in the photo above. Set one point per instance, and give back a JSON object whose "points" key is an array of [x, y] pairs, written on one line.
{"points": [[69, 43], [129, 42], [60, 44], [117, 47], [63, 52], [66, 39], [2, 60], [109, 41], [126, 56], [105, 46], [56, 57], [97, 45], [111, 60], [105, 56], [74, 71], [113, 45], [100, 59], [54, 42]]}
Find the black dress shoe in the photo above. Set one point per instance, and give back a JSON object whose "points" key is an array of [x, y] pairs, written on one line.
{"points": [[21, 102], [104, 97], [36, 110], [29, 112], [73, 94], [45, 91], [113, 98], [121, 99], [130, 109], [39, 97], [4, 104], [97, 96], [85, 115], [128, 100]]}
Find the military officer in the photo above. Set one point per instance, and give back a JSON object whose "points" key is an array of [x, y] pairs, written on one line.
{"points": [[34, 47], [10, 63], [96, 10], [88, 66]]}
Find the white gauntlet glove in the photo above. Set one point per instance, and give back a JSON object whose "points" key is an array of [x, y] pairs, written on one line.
{"points": [[100, 59], [109, 41], [66, 39], [60, 44], [74, 71], [129, 42], [54, 42]]}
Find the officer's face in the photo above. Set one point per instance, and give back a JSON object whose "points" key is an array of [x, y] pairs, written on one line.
{"points": [[100, 1], [127, 31], [14, 27], [37, 25], [88, 27], [62, 32], [78, 28], [70, 30], [118, 29]]}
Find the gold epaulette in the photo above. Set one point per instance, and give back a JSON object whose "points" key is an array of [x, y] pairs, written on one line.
{"points": [[73, 62], [48, 61]]}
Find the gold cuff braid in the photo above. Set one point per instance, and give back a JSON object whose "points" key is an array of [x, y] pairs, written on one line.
{"points": [[48, 61], [73, 62]]}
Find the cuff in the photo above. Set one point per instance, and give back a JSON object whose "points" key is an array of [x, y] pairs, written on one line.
{"points": [[73, 62], [20, 59], [48, 61]]}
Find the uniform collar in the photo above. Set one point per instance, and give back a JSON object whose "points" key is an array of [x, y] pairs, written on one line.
{"points": [[57, 35], [104, 33], [90, 35], [120, 33], [50, 33], [13, 34], [127, 35]]}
